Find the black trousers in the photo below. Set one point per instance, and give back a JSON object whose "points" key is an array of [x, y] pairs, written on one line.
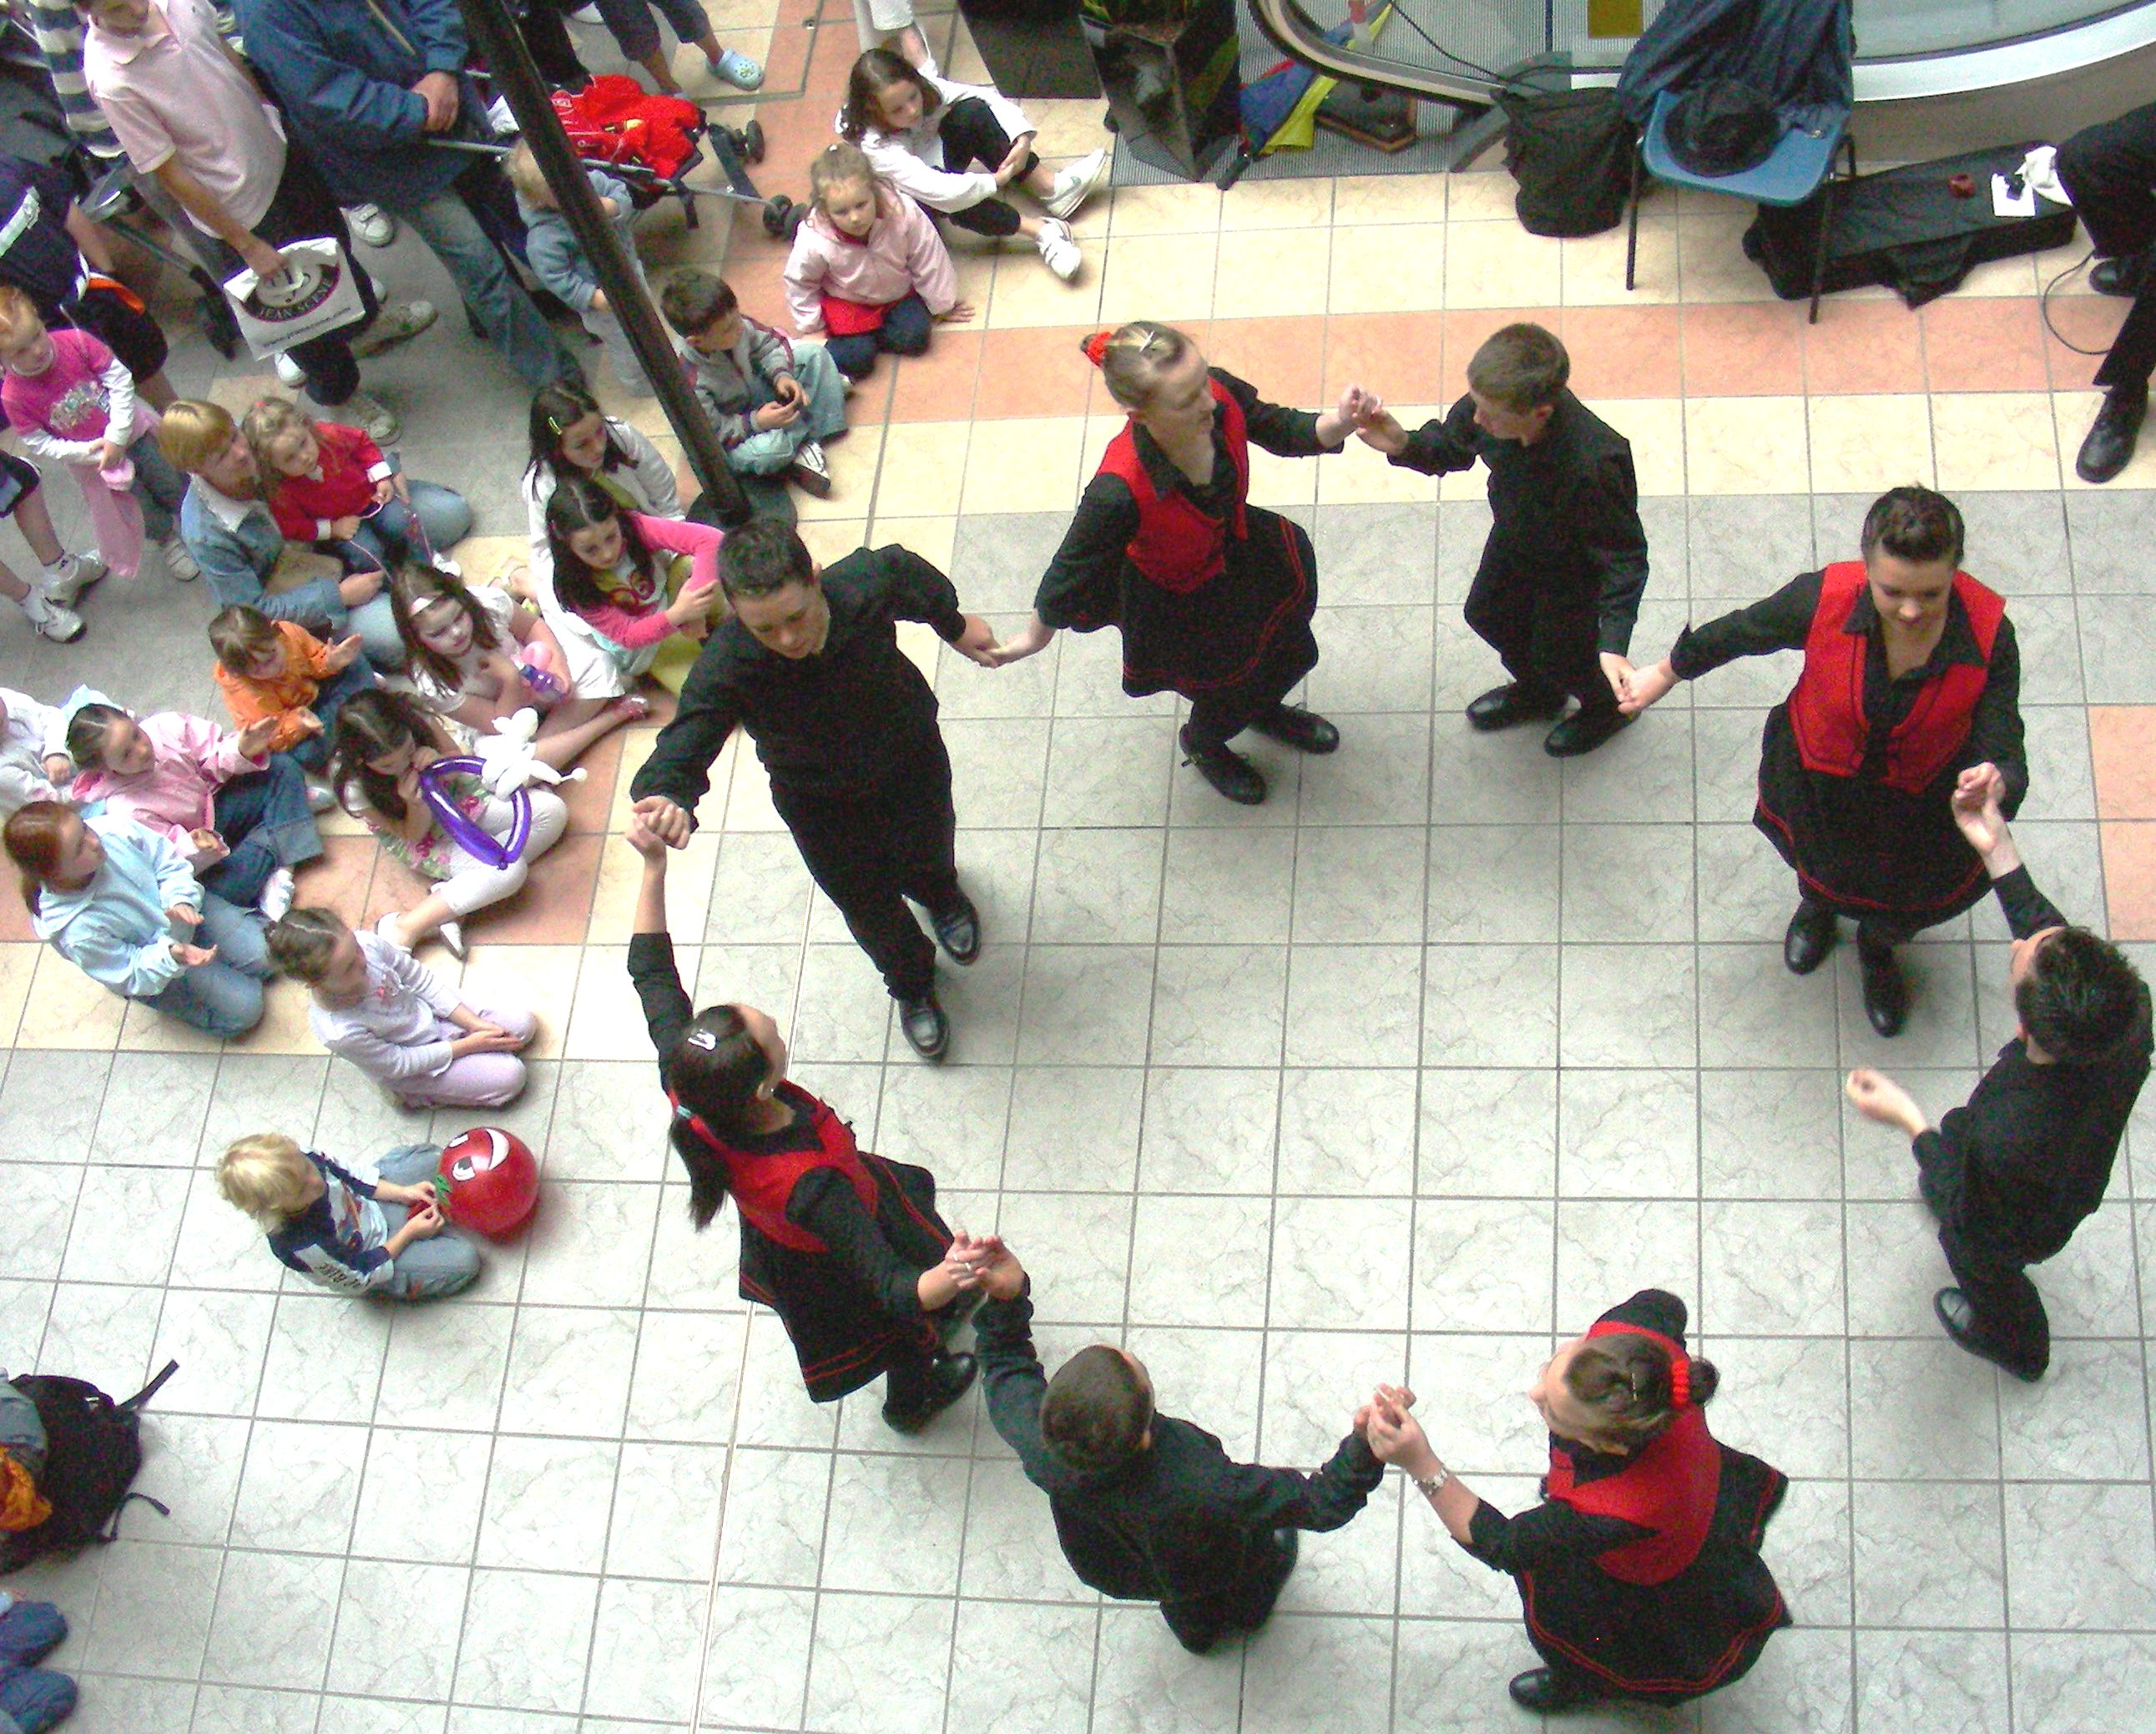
{"points": [[970, 135], [1202, 1621], [1547, 643], [2010, 1313], [2110, 170], [870, 853]]}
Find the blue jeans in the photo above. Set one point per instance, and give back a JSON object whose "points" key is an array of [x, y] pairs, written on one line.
{"points": [[223, 996], [426, 1269], [35, 1697], [443, 519], [769, 452], [158, 488], [448, 224], [313, 753], [636, 33], [904, 331], [265, 821]]}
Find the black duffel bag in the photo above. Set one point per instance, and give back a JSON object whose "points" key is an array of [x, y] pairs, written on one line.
{"points": [[1571, 151]]}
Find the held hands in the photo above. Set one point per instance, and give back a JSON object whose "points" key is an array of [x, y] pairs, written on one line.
{"points": [[1878, 1098], [1643, 686], [978, 642], [1030, 640], [1617, 669], [254, 740], [1394, 1434], [991, 1266], [1976, 801], [658, 821], [1380, 429]]}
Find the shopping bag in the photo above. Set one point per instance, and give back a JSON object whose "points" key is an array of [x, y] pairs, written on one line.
{"points": [[317, 291]]}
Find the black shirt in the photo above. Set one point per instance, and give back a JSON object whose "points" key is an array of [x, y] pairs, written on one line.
{"points": [[2029, 1156], [848, 721], [1567, 507], [1183, 1519]]}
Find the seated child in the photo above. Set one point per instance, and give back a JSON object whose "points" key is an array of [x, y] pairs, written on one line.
{"points": [[383, 740], [571, 435], [278, 670], [383, 1236], [378, 1006], [239, 816], [73, 400], [867, 266], [631, 594], [66, 575], [772, 406], [558, 261], [328, 482], [34, 757], [480, 655]]}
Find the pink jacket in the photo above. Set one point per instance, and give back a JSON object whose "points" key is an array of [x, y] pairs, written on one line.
{"points": [[633, 629], [177, 795], [903, 254]]}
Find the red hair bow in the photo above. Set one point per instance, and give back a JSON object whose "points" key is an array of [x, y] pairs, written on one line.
{"points": [[1096, 346]]}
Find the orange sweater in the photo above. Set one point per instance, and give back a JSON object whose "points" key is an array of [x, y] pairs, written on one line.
{"points": [[306, 667]]}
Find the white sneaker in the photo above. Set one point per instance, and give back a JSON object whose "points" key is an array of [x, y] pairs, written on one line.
{"points": [[377, 417], [320, 798], [1058, 252], [289, 373], [61, 624], [371, 223], [451, 934], [393, 324], [276, 895], [442, 563], [811, 470], [178, 561], [71, 575], [1076, 184]]}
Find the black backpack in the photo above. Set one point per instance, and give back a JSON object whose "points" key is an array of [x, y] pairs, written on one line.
{"points": [[93, 1451], [1571, 151]]}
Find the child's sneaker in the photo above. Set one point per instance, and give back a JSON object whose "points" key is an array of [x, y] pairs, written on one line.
{"points": [[451, 934], [738, 70], [320, 798], [178, 561], [1058, 252], [61, 624], [1076, 184], [276, 897], [371, 223], [377, 417], [68, 576], [811, 471]]}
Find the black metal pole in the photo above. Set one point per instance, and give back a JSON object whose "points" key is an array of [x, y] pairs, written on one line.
{"points": [[497, 37]]}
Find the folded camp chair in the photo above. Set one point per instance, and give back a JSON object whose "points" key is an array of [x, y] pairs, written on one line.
{"points": [[1801, 165]]}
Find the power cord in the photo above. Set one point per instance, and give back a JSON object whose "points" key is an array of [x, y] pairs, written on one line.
{"points": [[2044, 305]]}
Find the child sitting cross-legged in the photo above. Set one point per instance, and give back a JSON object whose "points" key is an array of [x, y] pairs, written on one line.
{"points": [[378, 1006], [385, 1236], [773, 405], [326, 483], [277, 670]]}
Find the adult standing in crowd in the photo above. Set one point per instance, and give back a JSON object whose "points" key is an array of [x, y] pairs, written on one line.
{"points": [[2011, 1175], [2109, 172], [373, 85], [1911, 688]]}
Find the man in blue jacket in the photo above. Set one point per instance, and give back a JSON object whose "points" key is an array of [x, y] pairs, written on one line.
{"points": [[369, 85]]}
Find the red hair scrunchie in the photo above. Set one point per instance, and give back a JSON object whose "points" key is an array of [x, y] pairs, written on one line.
{"points": [[1096, 346], [1680, 1382]]}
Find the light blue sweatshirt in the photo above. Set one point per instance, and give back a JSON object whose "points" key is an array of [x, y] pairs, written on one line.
{"points": [[114, 929]]}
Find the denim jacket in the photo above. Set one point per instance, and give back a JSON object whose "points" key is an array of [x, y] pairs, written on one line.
{"points": [[237, 559]]}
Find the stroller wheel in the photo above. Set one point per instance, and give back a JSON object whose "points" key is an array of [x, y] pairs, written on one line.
{"points": [[775, 211], [751, 141]]}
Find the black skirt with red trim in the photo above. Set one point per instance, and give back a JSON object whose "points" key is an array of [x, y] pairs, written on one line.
{"points": [[1664, 1643], [1862, 848], [1247, 629], [842, 1336]]}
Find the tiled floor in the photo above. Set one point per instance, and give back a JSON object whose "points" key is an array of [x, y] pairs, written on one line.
{"points": [[1410, 1070]]}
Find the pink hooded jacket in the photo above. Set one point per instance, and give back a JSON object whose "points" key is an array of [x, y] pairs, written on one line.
{"points": [[177, 795], [903, 254]]}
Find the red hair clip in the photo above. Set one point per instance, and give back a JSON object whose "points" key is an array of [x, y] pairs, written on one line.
{"points": [[1680, 1382], [1096, 346]]}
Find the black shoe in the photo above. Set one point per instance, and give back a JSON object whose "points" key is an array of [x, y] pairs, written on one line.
{"points": [[1583, 731], [959, 929], [2120, 276], [1812, 933], [1292, 726], [2109, 447], [1550, 1693], [1501, 706], [1958, 1320], [1885, 993], [950, 1377], [1230, 773], [927, 1030]]}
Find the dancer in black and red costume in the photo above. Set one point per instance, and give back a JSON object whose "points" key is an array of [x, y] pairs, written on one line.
{"points": [[843, 1245], [1640, 1573]]}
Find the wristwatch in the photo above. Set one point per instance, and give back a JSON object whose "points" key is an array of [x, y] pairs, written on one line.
{"points": [[1430, 1485]]}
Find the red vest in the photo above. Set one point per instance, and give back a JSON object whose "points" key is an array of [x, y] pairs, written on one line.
{"points": [[1178, 547], [1670, 1488], [1826, 710], [761, 1184]]}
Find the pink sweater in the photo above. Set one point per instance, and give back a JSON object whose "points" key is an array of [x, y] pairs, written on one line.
{"points": [[645, 623], [903, 254], [84, 397], [177, 795]]}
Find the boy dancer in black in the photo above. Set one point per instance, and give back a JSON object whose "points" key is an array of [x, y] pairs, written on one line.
{"points": [[1559, 585], [810, 664], [2011, 1175], [1148, 1508]]}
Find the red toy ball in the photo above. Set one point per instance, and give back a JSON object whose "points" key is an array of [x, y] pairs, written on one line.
{"points": [[493, 1181]]}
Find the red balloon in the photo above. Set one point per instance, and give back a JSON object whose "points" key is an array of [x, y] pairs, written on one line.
{"points": [[493, 1180]]}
